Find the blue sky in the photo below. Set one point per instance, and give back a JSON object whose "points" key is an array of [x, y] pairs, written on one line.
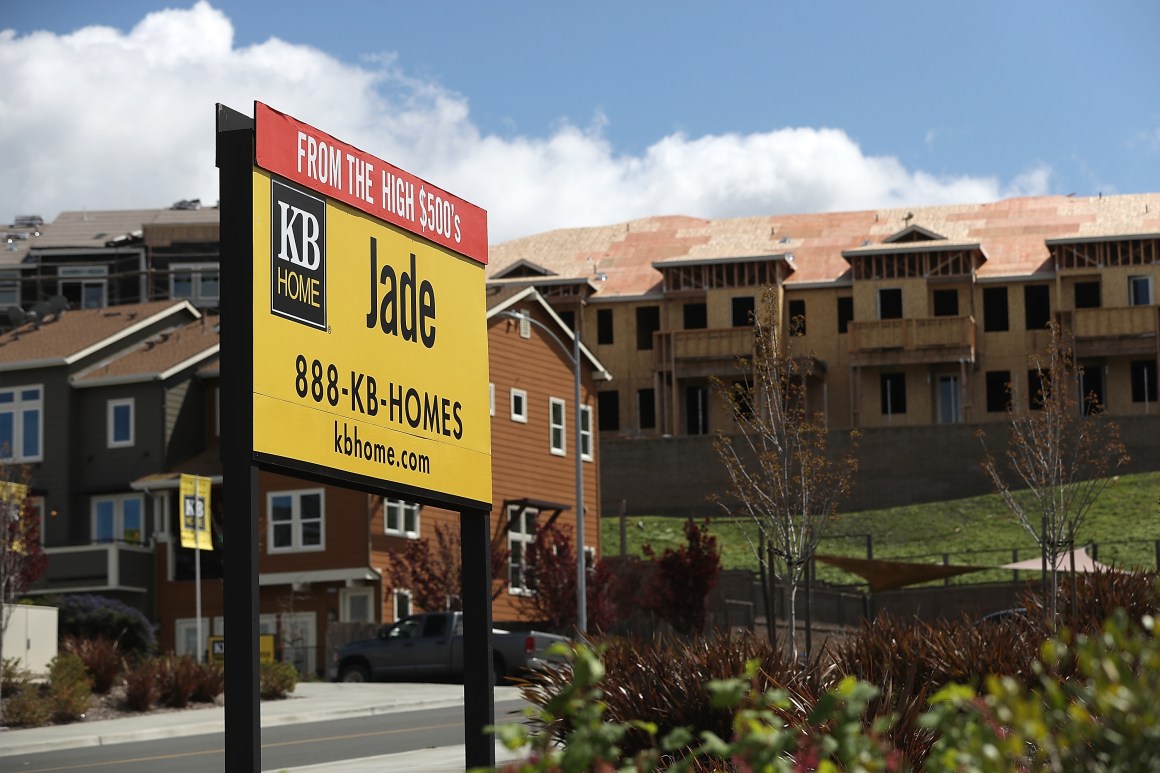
{"points": [[553, 115]]}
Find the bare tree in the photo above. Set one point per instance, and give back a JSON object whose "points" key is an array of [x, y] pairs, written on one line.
{"points": [[782, 474], [22, 558], [1061, 448]]}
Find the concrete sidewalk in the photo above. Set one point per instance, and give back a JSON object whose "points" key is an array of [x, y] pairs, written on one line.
{"points": [[310, 702]]}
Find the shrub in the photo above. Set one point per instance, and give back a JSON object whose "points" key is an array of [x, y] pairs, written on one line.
{"points": [[177, 679], [211, 682], [13, 676], [277, 680], [69, 688], [141, 686], [96, 617], [28, 707], [102, 659]]}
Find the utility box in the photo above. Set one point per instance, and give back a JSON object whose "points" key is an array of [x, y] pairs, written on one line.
{"points": [[30, 636]]}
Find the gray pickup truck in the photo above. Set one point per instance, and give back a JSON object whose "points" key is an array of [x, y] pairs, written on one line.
{"points": [[430, 647]]}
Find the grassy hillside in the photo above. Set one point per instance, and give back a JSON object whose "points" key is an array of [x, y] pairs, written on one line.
{"points": [[1125, 522]]}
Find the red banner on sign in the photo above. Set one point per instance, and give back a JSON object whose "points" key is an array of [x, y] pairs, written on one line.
{"points": [[305, 155]]}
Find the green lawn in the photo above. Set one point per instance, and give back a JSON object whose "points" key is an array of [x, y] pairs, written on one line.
{"points": [[1124, 522]]}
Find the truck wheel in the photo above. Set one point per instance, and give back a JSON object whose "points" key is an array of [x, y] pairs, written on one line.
{"points": [[500, 672], [354, 672]]}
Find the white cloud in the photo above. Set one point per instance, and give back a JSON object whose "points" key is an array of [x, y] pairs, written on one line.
{"points": [[102, 119]]}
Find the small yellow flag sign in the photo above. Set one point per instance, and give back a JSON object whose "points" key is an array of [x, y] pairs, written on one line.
{"points": [[195, 525]]}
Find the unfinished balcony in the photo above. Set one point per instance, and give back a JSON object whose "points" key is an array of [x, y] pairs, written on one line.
{"points": [[702, 353], [912, 341], [1110, 332]]}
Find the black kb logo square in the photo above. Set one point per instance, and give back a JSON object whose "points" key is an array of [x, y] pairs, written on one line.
{"points": [[297, 255]]}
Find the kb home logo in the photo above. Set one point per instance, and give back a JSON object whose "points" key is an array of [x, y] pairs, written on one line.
{"points": [[297, 255]]}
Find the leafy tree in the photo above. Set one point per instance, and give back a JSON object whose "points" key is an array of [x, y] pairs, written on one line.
{"points": [[684, 577], [783, 476], [431, 569], [551, 566], [1062, 449], [22, 558]]}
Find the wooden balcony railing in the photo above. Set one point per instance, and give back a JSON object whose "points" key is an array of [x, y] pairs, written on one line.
{"points": [[722, 344], [1123, 322], [912, 333]]}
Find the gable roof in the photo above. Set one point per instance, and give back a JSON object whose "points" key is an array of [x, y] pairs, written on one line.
{"points": [[1012, 234], [156, 358], [74, 335], [497, 304]]}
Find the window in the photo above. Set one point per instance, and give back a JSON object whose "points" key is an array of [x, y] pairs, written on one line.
{"points": [[696, 316], [22, 423], [648, 321], [845, 314], [994, 309], [608, 406], [186, 630], [1139, 290], [604, 332], [893, 393], [586, 432], [199, 283], [401, 604], [646, 409], [521, 535], [1087, 295], [949, 400], [890, 303], [1036, 307], [83, 286], [491, 399], [295, 521], [519, 405], [743, 311], [9, 289], [797, 318], [119, 518], [556, 438], [400, 518], [945, 303], [1143, 381], [997, 390], [697, 410], [119, 422]]}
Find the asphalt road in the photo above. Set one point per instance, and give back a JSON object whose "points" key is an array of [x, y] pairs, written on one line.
{"points": [[284, 746]]}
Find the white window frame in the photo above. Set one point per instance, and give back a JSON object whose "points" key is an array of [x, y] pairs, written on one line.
{"points": [[21, 407], [491, 399], [522, 414], [400, 507], [402, 604], [521, 534], [561, 426], [1147, 281], [296, 540], [586, 433], [195, 271], [111, 425], [118, 526]]}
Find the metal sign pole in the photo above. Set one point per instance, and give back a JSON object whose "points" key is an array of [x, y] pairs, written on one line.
{"points": [[197, 562]]}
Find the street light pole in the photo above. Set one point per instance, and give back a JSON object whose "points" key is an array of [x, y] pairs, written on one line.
{"points": [[581, 567]]}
